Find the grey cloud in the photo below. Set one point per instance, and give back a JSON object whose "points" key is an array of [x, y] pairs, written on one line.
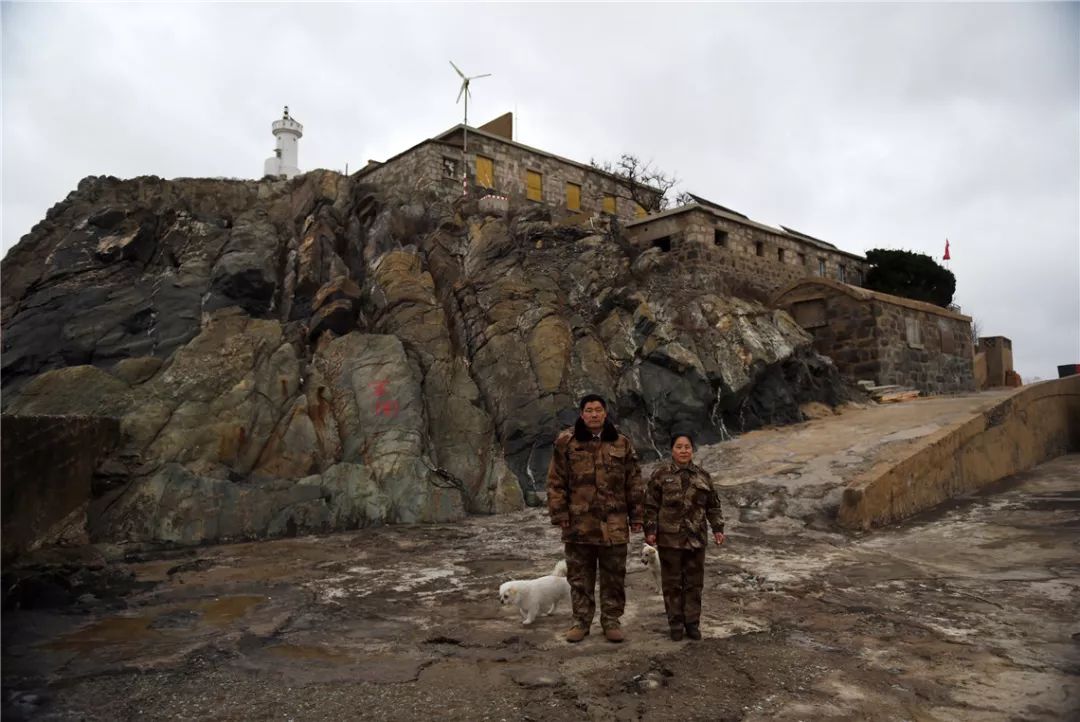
{"points": [[864, 124]]}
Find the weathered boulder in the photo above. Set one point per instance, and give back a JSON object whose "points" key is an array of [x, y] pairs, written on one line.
{"points": [[460, 435], [315, 353], [378, 403], [136, 370]]}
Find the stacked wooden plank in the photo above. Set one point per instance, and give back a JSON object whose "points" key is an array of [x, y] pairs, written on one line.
{"points": [[890, 393]]}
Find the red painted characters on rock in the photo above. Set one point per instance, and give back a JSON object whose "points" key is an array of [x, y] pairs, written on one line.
{"points": [[383, 406]]}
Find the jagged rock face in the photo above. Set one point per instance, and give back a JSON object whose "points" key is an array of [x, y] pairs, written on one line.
{"points": [[315, 354]]}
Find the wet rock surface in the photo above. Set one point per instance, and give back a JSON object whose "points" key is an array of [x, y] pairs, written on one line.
{"points": [[254, 336], [966, 614]]}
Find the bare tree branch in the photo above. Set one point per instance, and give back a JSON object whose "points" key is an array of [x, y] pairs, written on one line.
{"points": [[639, 181]]}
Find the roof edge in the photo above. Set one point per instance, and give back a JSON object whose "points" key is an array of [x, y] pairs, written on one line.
{"points": [[546, 153], [865, 294]]}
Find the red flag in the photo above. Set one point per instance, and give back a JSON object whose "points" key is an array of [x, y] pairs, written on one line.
{"points": [[946, 256]]}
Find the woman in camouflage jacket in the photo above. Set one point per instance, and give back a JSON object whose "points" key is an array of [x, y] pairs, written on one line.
{"points": [[679, 500]]}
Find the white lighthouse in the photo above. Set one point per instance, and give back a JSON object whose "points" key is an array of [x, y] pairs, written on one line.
{"points": [[286, 132]]}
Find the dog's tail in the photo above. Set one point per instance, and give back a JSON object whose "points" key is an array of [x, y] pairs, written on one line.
{"points": [[560, 569]]}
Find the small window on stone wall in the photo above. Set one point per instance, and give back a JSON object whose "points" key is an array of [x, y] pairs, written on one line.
{"points": [[809, 314], [485, 171], [948, 340], [720, 238], [802, 259], [759, 248], [821, 267], [450, 167], [664, 243], [914, 332], [780, 254], [534, 185], [841, 273], [573, 197]]}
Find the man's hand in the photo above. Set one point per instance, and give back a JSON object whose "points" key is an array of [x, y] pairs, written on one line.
{"points": [[565, 524], [719, 537], [636, 528], [650, 539]]}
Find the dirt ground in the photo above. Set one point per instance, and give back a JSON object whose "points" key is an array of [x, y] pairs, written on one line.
{"points": [[967, 614]]}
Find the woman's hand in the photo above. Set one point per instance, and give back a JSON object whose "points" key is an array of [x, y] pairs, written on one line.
{"points": [[650, 539], [719, 537]]}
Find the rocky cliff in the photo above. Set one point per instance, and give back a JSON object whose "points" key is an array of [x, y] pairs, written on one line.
{"points": [[321, 354]]}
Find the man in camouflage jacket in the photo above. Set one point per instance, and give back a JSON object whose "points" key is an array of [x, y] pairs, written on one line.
{"points": [[594, 493], [679, 500]]}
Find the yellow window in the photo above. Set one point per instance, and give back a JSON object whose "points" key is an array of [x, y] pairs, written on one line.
{"points": [[573, 197], [609, 204], [639, 211], [485, 172], [534, 186]]}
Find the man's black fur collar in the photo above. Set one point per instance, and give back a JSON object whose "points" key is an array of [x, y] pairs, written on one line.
{"points": [[582, 433]]}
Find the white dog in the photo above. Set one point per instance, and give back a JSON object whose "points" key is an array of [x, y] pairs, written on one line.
{"points": [[650, 557], [534, 597]]}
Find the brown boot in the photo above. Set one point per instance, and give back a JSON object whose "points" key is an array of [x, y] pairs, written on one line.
{"points": [[676, 634], [577, 633], [614, 634], [693, 631]]}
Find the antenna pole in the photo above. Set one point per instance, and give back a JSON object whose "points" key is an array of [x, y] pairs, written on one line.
{"points": [[465, 143]]}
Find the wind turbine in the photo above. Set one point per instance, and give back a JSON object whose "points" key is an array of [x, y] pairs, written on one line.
{"points": [[465, 79]]}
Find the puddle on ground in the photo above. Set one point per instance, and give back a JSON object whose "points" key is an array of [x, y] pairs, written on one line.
{"points": [[115, 630], [491, 567], [224, 610], [307, 652], [123, 630]]}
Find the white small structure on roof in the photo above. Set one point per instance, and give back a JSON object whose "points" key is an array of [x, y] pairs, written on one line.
{"points": [[287, 132]]}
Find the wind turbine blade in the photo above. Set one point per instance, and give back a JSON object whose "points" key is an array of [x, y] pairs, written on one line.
{"points": [[485, 75], [464, 87], [457, 69]]}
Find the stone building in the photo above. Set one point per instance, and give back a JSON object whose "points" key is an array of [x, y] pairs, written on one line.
{"points": [[884, 338], [497, 164], [752, 254], [994, 363]]}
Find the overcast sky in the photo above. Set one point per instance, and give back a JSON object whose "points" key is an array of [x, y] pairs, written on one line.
{"points": [[865, 125]]}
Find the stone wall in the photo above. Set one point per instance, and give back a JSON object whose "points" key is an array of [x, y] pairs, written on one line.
{"points": [[700, 235], [47, 465], [997, 351], [885, 339], [849, 335], [939, 360], [511, 161], [1033, 425], [418, 168], [427, 164]]}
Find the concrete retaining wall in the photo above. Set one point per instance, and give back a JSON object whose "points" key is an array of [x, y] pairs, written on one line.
{"points": [[47, 465], [1037, 423]]}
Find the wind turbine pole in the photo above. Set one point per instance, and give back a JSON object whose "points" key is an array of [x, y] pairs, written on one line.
{"points": [[465, 126], [465, 151]]}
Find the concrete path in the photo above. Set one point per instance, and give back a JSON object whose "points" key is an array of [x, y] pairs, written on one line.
{"points": [[801, 470], [969, 614]]}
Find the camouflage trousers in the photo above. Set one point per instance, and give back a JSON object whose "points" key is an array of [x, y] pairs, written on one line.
{"points": [[682, 576], [582, 562]]}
